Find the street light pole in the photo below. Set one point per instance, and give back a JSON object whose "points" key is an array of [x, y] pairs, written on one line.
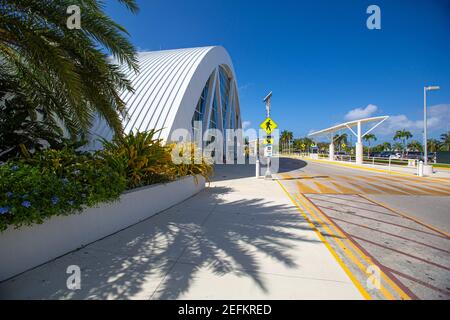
{"points": [[425, 146], [425, 138]]}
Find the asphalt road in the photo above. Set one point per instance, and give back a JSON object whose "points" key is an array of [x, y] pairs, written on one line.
{"points": [[391, 231]]}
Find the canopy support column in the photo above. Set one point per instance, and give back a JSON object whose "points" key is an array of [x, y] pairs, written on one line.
{"points": [[331, 151], [359, 146]]}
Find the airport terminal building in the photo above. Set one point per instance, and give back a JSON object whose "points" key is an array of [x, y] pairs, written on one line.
{"points": [[176, 89]]}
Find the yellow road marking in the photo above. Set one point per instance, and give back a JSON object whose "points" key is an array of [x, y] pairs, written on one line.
{"points": [[363, 188], [303, 188], [395, 187], [420, 189], [325, 189], [352, 277], [349, 253], [414, 181], [406, 216], [388, 189], [440, 189], [368, 259], [344, 189]]}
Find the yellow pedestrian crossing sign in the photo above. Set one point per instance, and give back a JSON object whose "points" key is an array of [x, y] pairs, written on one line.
{"points": [[343, 145], [268, 125], [268, 141]]}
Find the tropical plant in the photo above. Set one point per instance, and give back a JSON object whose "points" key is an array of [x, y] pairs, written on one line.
{"points": [[188, 160], [286, 138], [369, 137], [386, 146], [323, 146], [415, 145], [140, 157], [65, 72], [340, 139], [445, 137], [23, 126], [54, 183], [398, 146], [434, 145], [403, 136]]}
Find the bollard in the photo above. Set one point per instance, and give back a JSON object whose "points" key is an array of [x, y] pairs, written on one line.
{"points": [[420, 169], [257, 169]]}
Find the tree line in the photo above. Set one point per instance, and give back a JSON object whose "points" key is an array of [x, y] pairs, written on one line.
{"points": [[402, 142]]}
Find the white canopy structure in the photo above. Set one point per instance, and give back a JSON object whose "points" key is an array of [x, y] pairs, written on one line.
{"points": [[358, 134]]}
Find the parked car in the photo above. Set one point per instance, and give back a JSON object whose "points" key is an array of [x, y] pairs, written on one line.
{"points": [[414, 155], [396, 155]]}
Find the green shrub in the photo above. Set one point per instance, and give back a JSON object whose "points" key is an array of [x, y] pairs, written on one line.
{"points": [[140, 157], [188, 160], [61, 182], [54, 183]]}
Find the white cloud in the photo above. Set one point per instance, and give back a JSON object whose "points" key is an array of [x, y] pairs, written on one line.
{"points": [[246, 124], [360, 113], [245, 86], [438, 119]]}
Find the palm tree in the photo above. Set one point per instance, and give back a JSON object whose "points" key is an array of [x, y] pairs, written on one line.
{"points": [[340, 139], [323, 146], [369, 137], [386, 146], [434, 145], [397, 147], [67, 73], [415, 145], [403, 135], [445, 137], [286, 138]]}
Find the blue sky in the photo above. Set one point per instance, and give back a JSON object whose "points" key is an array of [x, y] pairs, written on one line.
{"points": [[318, 57]]}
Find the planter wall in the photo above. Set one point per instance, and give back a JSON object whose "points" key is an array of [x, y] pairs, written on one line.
{"points": [[27, 247]]}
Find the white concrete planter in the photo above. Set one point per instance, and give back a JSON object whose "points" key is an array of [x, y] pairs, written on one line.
{"points": [[27, 247]]}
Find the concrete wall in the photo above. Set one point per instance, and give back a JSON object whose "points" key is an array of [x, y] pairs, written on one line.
{"points": [[27, 247]]}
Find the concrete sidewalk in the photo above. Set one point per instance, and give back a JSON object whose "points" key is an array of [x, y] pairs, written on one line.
{"points": [[241, 238]]}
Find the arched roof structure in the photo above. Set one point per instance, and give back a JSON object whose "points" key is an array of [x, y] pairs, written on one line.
{"points": [[176, 87]]}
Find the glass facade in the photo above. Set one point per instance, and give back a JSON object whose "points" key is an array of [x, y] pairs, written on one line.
{"points": [[222, 114], [201, 105], [224, 82]]}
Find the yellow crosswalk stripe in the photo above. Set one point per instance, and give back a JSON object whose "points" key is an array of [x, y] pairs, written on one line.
{"points": [[325, 189], [370, 184], [432, 189], [363, 188], [421, 190], [387, 189], [304, 188], [344, 189]]}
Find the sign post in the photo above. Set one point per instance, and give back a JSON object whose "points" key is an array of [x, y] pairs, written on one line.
{"points": [[268, 125]]}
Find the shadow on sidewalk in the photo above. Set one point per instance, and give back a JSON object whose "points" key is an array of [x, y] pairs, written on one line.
{"points": [[160, 257], [236, 171]]}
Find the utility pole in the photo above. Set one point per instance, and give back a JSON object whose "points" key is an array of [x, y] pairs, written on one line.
{"points": [[428, 170]]}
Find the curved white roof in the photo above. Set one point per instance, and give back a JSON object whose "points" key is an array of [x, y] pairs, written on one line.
{"points": [[167, 89]]}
